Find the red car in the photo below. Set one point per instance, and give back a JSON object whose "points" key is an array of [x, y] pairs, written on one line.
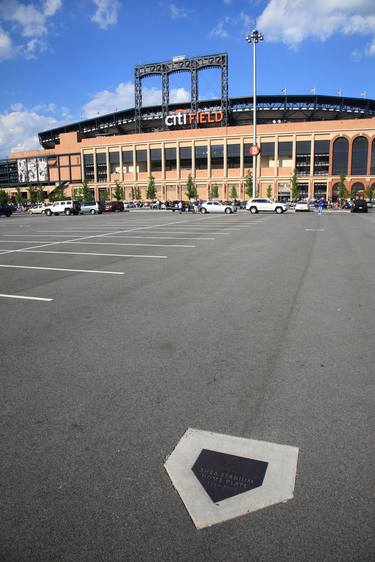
{"points": [[112, 206]]}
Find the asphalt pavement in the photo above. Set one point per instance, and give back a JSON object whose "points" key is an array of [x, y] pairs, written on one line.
{"points": [[254, 326]]}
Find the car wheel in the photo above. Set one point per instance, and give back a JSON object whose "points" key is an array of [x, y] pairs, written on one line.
{"points": [[92, 212], [8, 213], [278, 210], [203, 211], [43, 213], [253, 210], [68, 212], [48, 212], [29, 212], [228, 211]]}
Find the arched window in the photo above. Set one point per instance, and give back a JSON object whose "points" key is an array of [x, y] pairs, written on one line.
{"points": [[340, 156], [359, 156], [372, 172], [356, 188]]}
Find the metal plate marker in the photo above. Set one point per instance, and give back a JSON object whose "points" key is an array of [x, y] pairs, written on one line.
{"points": [[220, 477]]}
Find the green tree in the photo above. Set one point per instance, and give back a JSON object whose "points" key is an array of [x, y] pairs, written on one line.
{"points": [[57, 194], [249, 184], [294, 186], [33, 192], [118, 192], [191, 190], [19, 196], [233, 192], [86, 192], [269, 191], [343, 192], [369, 192], [137, 193], [214, 191], [151, 189], [39, 194], [4, 199], [77, 194], [103, 194]]}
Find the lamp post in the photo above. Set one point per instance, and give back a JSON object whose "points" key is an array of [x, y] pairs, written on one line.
{"points": [[254, 38]]}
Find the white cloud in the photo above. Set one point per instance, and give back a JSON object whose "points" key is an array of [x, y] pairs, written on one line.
{"points": [[106, 13], [6, 51], [51, 7], [19, 129], [177, 13], [371, 48], [293, 21], [28, 20], [219, 30], [123, 97]]}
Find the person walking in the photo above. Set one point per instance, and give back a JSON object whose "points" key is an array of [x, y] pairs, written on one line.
{"points": [[180, 207], [320, 206]]}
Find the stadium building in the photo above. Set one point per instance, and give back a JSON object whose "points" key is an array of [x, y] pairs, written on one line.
{"points": [[318, 136]]}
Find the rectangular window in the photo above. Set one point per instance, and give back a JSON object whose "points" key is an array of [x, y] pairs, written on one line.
{"points": [[320, 190], [267, 154], [155, 154], [217, 157], [247, 159], [88, 166], [321, 157], [114, 162], [234, 155], [303, 189], [127, 161], [201, 153], [141, 157], [268, 149], [303, 159], [170, 159], [101, 167], [285, 150], [185, 158]]}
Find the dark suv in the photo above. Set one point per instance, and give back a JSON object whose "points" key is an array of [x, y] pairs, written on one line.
{"points": [[112, 206], [359, 206], [5, 210]]}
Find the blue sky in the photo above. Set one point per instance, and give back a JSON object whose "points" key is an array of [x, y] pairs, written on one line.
{"points": [[63, 60]]}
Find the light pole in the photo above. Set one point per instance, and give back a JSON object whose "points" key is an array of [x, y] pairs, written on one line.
{"points": [[254, 38]]}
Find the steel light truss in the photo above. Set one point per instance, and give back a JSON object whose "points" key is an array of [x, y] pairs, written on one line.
{"points": [[189, 64]]}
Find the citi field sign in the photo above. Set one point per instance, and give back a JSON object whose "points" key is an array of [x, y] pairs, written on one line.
{"points": [[180, 117]]}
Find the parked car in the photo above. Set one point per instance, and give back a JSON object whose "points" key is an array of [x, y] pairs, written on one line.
{"points": [[259, 204], [37, 209], [68, 207], [91, 207], [217, 207], [359, 206], [302, 206], [5, 210], [112, 206]]}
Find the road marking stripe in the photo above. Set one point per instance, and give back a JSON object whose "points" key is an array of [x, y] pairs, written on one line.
{"points": [[64, 269], [25, 298], [84, 242], [89, 254], [122, 236]]}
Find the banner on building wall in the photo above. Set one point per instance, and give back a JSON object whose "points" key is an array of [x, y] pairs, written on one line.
{"points": [[32, 170]]}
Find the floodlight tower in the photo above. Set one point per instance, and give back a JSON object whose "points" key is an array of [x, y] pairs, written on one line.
{"points": [[254, 37]]}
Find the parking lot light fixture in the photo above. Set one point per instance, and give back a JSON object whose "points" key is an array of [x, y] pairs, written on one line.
{"points": [[254, 37]]}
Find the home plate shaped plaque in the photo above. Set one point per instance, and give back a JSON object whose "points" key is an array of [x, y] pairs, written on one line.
{"points": [[220, 477]]}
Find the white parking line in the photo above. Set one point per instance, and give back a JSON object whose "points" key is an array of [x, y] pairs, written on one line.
{"points": [[120, 236], [64, 269], [25, 298], [31, 251], [84, 242]]}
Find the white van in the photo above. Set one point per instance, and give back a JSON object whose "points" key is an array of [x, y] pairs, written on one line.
{"points": [[68, 207]]}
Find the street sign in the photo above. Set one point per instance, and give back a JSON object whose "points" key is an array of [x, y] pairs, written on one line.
{"points": [[254, 150]]}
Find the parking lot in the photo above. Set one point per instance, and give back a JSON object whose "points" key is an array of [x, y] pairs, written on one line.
{"points": [[121, 331]]}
